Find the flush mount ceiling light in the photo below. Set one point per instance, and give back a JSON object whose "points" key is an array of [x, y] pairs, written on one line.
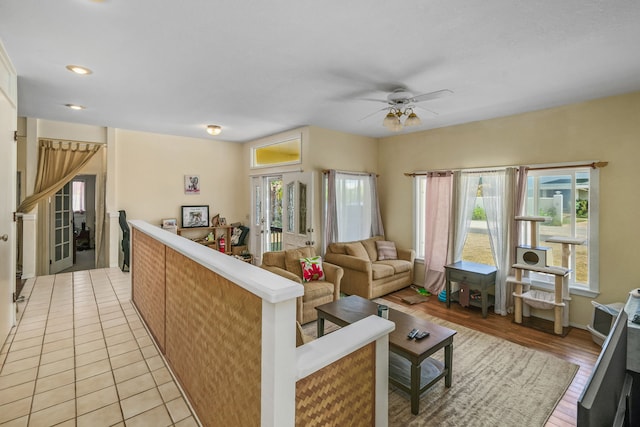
{"points": [[214, 130], [74, 106], [83, 71], [393, 122]]}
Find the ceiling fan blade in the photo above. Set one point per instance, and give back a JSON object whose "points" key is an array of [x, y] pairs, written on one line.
{"points": [[372, 114], [426, 109], [384, 101], [431, 95]]}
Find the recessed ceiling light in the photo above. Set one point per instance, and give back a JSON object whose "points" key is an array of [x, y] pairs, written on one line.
{"points": [[83, 71], [74, 106], [214, 130]]}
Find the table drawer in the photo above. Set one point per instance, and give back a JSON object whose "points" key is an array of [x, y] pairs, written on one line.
{"points": [[462, 276]]}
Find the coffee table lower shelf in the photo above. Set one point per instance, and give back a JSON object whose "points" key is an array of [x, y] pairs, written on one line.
{"points": [[431, 371]]}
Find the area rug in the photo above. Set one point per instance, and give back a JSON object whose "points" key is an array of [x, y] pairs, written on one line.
{"points": [[495, 383]]}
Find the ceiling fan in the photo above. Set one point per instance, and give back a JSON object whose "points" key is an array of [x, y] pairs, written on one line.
{"points": [[401, 103]]}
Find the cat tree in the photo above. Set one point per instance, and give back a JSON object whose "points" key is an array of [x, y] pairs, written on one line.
{"points": [[534, 258]]}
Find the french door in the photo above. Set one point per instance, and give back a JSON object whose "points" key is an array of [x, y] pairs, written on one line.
{"points": [[297, 198], [281, 214], [61, 231]]}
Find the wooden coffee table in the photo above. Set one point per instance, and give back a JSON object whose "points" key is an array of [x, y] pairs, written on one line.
{"points": [[349, 310]]}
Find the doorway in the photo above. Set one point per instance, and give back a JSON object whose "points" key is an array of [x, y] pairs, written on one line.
{"points": [[266, 215], [281, 214], [74, 211]]}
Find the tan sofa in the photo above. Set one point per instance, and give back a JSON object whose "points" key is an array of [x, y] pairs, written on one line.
{"points": [[287, 264], [364, 274]]}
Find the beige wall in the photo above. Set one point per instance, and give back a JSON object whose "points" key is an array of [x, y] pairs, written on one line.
{"points": [[150, 171], [606, 130]]}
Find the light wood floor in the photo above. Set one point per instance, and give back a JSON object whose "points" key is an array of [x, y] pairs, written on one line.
{"points": [[576, 347]]}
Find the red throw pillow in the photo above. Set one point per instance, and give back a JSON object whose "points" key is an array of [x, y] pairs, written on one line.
{"points": [[312, 269]]}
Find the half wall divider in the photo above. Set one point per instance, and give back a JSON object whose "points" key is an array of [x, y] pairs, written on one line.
{"points": [[227, 331]]}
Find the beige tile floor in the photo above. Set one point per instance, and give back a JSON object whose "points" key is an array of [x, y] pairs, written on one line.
{"points": [[80, 355]]}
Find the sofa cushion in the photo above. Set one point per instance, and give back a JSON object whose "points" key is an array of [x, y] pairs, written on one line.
{"points": [[316, 289], [398, 265], [386, 250], [274, 259], [292, 259], [356, 249], [311, 269], [380, 270], [370, 246], [337, 248]]}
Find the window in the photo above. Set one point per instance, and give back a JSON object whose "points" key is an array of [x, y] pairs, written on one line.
{"points": [[353, 214], [477, 247], [353, 204], [78, 196], [280, 153], [568, 196]]}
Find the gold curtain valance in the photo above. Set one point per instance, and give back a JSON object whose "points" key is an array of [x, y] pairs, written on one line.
{"points": [[58, 163]]}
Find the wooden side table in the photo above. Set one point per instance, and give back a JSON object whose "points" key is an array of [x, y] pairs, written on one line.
{"points": [[477, 276]]}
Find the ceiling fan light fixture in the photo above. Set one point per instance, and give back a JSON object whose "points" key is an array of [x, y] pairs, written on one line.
{"points": [[214, 130], [390, 120], [413, 120], [74, 106]]}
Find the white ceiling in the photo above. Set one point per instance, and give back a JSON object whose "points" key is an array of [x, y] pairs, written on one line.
{"points": [[261, 67]]}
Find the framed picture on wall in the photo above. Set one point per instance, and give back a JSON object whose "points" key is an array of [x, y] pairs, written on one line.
{"points": [[191, 184], [195, 216], [169, 222]]}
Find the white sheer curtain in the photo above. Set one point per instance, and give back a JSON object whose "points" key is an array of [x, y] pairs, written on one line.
{"points": [[498, 190], [352, 210], [465, 192], [437, 218]]}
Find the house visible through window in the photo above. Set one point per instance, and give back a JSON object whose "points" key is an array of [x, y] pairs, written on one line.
{"points": [[567, 196], [78, 196]]}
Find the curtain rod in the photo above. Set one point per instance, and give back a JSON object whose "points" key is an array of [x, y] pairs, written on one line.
{"points": [[593, 165], [326, 171], [71, 141]]}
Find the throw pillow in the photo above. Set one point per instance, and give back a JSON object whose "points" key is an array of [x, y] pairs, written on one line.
{"points": [[386, 250], [312, 269], [357, 250]]}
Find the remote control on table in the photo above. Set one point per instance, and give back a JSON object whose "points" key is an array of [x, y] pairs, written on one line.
{"points": [[413, 333], [421, 335]]}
